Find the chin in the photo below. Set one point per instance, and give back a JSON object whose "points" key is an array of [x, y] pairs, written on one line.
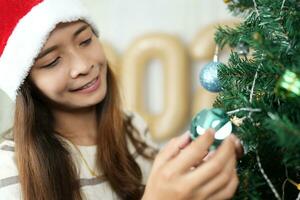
{"points": [[74, 102], [87, 101], [92, 101]]}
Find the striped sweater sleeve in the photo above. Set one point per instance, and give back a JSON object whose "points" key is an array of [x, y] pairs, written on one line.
{"points": [[140, 124], [9, 179]]}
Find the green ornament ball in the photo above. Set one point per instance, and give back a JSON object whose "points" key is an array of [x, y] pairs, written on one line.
{"points": [[216, 119]]}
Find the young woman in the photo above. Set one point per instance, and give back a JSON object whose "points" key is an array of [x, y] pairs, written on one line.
{"points": [[71, 138]]}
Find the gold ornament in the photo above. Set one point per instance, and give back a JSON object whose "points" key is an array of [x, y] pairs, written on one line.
{"points": [[237, 121], [259, 95], [294, 183], [256, 36]]}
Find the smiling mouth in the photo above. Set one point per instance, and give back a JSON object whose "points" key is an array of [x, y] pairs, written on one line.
{"points": [[89, 84]]}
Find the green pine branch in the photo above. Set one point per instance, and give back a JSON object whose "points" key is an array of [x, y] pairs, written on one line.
{"points": [[271, 30]]}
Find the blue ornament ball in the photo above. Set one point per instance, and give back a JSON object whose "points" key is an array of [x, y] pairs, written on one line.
{"points": [[209, 77]]}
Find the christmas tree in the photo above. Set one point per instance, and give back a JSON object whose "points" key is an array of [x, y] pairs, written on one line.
{"points": [[261, 92]]}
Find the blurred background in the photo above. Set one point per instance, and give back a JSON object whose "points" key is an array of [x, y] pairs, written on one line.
{"points": [[156, 49]]}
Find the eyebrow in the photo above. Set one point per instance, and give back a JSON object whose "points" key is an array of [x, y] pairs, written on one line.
{"points": [[47, 51], [82, 28], [50, 49]]}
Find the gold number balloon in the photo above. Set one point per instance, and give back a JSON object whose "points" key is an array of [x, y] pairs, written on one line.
{"points": [[172, 55]]}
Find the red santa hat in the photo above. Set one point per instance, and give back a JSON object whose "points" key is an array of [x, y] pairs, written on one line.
{"points": [[24, 28]]}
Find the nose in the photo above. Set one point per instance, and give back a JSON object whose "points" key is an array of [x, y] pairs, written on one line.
{"points": [[79, 65]]}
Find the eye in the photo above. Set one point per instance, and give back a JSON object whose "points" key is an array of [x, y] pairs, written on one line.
{"points": [[86, 42], [53, 63]]}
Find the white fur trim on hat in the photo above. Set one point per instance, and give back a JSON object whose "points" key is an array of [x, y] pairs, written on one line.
{"points": [[29, 36]]}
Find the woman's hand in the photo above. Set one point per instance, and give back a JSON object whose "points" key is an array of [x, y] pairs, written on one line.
{"points": [[180, 173]]}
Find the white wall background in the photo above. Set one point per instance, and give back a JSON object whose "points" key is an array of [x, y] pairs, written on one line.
{"points": [[122, 21]]}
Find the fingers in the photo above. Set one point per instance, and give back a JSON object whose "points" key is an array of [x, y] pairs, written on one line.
{"points": [[173, 147], [184, 140], [194, 153], [228, 191], [209, 155], [220, 181], [211, 168], [238, 147], [215, 178]]}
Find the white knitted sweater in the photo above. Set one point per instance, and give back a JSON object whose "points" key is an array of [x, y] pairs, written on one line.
{"points": [[92, 188]]}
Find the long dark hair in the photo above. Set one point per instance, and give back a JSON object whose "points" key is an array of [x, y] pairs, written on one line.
{"points": [[45, 165]]}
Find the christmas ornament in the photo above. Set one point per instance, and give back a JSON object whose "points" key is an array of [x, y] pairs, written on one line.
{"points": [[288, 85], [237, 121], [257, 36], [294, 183], [230, 1], [215, 118], [242, 49], [208, 76]]}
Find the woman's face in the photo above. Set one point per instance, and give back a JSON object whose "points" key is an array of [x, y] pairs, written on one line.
{"points": [[71, 67]]}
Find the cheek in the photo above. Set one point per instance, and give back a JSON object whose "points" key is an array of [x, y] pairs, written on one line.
{"points": [[97, 52], [51, 85]]}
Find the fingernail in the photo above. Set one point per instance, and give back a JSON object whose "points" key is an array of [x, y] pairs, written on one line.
{"points": [[237, 142], [211, 131], [235, 139], [232, 138], [185, 135]]}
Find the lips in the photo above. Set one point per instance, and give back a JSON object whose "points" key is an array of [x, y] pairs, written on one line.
{"points": [[87, 85]]}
